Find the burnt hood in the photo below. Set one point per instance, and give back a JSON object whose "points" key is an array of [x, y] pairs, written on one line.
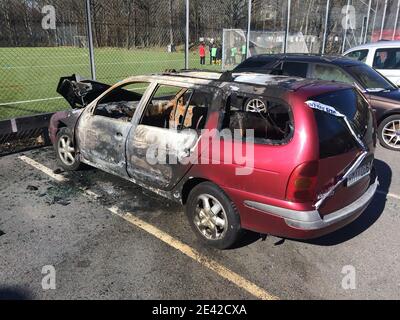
{"points": [[80, 92]]}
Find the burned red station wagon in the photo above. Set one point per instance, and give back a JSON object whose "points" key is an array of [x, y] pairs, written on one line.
{"points": [[310, 167]]}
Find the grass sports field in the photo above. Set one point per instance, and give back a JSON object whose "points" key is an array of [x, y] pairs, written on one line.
{"points": [[29, 76]]}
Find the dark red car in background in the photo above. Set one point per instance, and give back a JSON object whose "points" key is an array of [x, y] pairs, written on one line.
{"points": [[382, 94]]}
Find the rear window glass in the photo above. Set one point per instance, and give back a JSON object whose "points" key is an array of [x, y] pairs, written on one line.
{"points": [[334, 136], [331, 73], [369, 78], [295, 69], [359, 55], [255, 63]]}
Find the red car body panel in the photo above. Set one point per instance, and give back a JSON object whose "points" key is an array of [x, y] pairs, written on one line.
{"points": [[273, 166]]}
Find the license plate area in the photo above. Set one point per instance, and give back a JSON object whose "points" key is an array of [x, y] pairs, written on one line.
{"points": [[360, 173]]}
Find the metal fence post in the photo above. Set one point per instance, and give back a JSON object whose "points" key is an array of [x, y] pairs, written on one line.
{"points": [[345, 27], [326, 26], [397, 19], [187, 34], [285, 45], [248, 30], [376, 12], [383, 19], [90, 39], [368, 18]]}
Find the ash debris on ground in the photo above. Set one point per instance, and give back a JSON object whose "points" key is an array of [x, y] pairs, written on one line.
{"points": [[7, 148]]}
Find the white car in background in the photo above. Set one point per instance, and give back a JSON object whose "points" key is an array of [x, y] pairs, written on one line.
{"points": [[384, 56]]}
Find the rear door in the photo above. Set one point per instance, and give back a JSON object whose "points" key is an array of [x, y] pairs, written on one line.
{"points": [[160, 148], [339, 150]]}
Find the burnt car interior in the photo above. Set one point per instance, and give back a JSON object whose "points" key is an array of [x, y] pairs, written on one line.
{"points": [[121, 103], [177, 108], [271, 121]]}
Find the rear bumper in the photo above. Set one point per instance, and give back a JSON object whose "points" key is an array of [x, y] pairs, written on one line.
{"points": [[312, 220], [291, 222]]}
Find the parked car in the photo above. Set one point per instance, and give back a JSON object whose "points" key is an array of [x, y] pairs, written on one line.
{"points": [[383, 95], [311, 165], [384, 56]]}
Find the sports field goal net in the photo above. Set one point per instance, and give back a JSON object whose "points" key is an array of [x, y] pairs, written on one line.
{"points": [[261, 42]]}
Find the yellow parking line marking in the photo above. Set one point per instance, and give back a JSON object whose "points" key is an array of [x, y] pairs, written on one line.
{"points": [[222, 271], [40, 167], [213, 265], [391, 195], [57, 177]]}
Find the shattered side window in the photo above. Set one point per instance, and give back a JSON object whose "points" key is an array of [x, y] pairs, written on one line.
{"points": [[270, 119], [122, 102], [196, 113], [331, 73], [167, 107]]}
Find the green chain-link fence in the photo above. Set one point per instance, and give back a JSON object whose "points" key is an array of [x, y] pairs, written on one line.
{"points": [[144, 36]]}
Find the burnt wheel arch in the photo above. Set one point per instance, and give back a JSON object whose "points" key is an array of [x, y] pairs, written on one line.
{"points": [[188, 186]]}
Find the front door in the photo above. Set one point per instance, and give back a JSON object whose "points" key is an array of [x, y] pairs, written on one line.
{"points": [[103, 129]]}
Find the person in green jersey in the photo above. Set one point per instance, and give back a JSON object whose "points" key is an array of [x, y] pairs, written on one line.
{"points": [[234, 51], [244, 52], [214, 51]]}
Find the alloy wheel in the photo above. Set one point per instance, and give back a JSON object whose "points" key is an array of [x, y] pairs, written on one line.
{"points": [[66, 150], [210, 218], [256, 106], [391, 134]]}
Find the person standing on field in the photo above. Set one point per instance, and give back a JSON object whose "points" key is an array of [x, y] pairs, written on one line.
{"points": [[244, 52], [202, 53], [234, 51], [211, 47], [214, 54], [219, 54]]}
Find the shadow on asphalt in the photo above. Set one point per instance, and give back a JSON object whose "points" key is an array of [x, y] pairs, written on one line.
{"points": [[363, 223], [14, 294]]}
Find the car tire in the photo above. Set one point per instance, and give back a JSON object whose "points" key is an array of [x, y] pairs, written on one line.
{"points": [[218, 224], [385, 129], [67, 155]]}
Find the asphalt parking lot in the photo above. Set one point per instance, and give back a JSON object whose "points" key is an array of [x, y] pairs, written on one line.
{"points": [[71, 221]]}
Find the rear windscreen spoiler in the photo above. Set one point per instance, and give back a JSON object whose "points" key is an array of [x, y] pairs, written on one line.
{"points": [[80, 92]]}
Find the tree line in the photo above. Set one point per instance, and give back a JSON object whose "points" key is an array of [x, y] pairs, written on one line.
{"points": [[157, 23]]}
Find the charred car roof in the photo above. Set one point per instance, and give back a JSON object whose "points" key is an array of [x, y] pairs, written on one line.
{"points": [[79, 92], [229, 80]]}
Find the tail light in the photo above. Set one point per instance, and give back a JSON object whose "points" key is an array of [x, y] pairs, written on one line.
{"points": [[302, 184]]}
